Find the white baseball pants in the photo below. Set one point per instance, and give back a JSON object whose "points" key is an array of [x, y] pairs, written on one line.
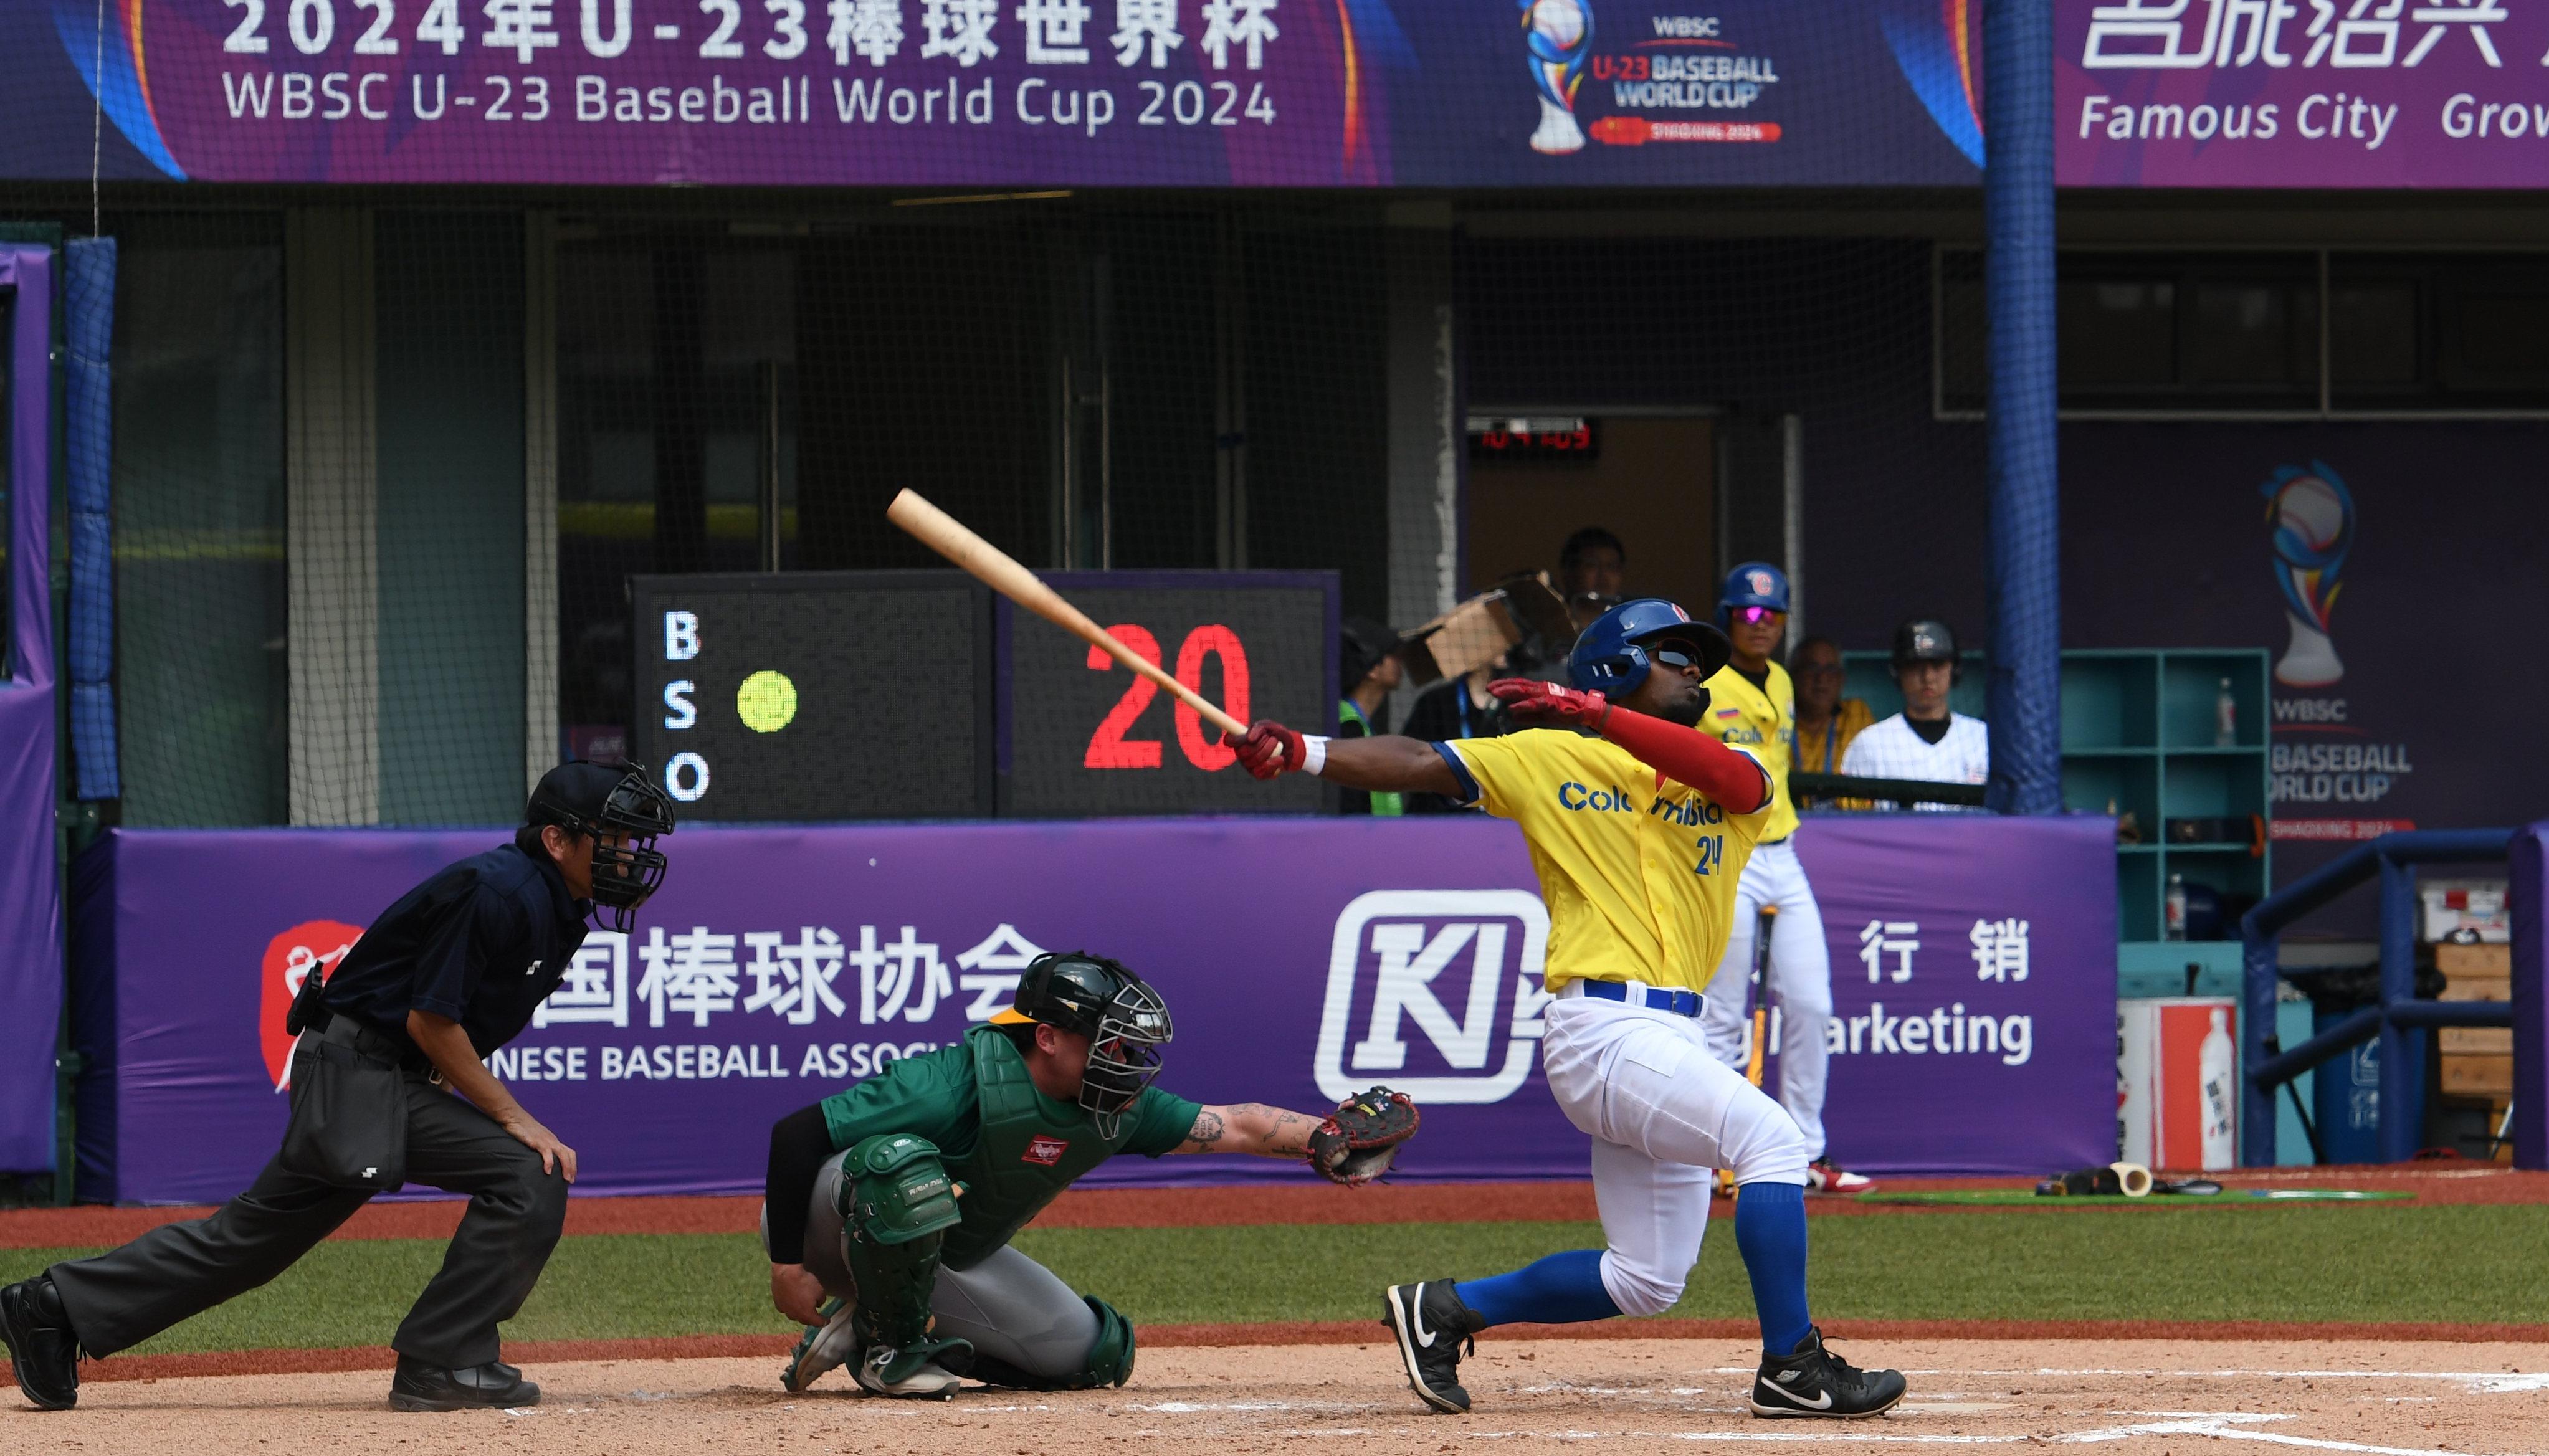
{"points": [[1800, 984], [1663, 1114]]}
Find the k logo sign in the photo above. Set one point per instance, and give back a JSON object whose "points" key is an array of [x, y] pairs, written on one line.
{"points": [[1462, 966]]}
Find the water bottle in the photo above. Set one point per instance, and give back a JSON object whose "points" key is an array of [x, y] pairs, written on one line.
{"points": [[2226, 718], [2176, 912], [2214, 1066]]}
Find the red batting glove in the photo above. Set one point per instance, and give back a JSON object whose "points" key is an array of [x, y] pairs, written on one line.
{"points": [[1533, 701], [1268, 748]]}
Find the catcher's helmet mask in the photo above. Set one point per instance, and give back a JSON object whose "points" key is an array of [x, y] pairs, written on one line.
{"points": [[609, 802], [1616, 652], [1122, 1015]]}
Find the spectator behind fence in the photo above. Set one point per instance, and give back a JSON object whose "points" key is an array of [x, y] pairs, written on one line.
{"points": [[1592, 568], [1457, 707], [1826, 720], [1369, 670], [1927, 740]]}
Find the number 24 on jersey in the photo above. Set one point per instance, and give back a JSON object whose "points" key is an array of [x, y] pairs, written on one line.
{"points": [[1712, 853]]}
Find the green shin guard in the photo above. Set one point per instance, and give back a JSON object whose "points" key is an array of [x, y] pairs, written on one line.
{"points": [[896, 1205], [1109, 1361]]}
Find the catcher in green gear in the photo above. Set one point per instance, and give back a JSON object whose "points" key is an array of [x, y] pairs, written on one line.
{"points": [[890, 1204]]}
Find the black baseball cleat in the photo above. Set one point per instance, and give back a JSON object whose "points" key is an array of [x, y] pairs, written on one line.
{"points": [[493, 1386], [1816, 1382], [1432, 1325], [43, 1350]]}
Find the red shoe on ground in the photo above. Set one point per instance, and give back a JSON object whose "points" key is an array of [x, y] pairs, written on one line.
{"points": [[1823, 1176]]}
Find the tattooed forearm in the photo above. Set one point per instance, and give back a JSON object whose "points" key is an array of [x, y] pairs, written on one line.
{"points": [[1249, 1127]]}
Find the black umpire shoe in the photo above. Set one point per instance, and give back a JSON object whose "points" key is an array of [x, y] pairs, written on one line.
{"points": [[493, 1386], [1432, 1325], [42, 1348], [1816, 1382]]}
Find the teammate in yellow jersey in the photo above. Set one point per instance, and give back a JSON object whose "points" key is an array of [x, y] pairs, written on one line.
{"points": [[1753, 704], [1639, 828]]}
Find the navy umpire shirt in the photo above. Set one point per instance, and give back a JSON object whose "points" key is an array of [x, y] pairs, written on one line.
{"points": [[482, 943]]}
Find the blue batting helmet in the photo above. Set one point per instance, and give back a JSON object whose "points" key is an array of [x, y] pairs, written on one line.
{"points": [[1753, 583], [1614, 655]]}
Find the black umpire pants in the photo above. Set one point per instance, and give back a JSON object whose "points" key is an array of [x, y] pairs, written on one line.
{"points": [[515, 1212]]}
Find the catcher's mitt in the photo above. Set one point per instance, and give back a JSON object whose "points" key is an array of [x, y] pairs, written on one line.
{"points": [[1360, 1139]]}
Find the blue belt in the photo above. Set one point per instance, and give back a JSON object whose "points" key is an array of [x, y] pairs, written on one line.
{"points": [[1655, 998]]}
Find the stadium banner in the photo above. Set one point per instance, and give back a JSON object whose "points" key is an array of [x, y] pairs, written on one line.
{"points": [[2280, 93], [2323, 542], [30, 917], [1304, 959], [995, 93]]}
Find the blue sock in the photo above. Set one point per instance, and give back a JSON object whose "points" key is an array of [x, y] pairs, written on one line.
{"points": [[1562, 1289], [1771, 1233]]}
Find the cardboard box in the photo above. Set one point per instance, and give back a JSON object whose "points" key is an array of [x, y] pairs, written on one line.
{"points": [[2477, 1041], [2479, 1076], [2472, 989], [2487, 962]]}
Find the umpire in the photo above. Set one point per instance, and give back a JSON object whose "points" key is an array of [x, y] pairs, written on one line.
{"points": [[447, 974]]}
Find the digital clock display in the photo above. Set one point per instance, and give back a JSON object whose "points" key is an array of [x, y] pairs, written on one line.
{"points": [[1533, 438]]}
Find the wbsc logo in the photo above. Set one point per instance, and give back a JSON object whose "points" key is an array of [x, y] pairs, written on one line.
{"points": [[1435, 992]]}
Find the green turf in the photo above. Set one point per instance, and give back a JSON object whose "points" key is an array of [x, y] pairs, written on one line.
{"points": [[2453, 1263]]}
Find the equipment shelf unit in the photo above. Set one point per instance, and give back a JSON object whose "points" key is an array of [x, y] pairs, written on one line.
{"points": [[2137, 730]]}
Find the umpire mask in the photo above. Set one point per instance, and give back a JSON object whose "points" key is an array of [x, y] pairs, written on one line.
{"points": [[1122, 1015], [624, 813]]}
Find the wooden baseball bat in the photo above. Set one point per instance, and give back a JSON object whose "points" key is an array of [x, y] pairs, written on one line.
{"points": [[1760, 992], [1759, 996], [996, 569]]}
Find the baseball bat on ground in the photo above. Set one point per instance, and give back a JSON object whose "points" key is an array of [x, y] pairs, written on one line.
{"points": [[996, 569]]}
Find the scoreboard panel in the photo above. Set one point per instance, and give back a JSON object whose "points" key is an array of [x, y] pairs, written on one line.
{"points": [[813, 695], [1080, 735]]}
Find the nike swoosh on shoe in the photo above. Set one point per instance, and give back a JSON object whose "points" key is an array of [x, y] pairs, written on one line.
{"points": [[1820, 1402]]}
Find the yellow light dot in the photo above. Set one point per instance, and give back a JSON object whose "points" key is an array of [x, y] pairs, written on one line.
{"points": [[767, 701]]}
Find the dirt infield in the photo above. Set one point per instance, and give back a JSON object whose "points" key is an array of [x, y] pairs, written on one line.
{"points": [[2134, 1397], [147, 1368], [1188, 1208]]}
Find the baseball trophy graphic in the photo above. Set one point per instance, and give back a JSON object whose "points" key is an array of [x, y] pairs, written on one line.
{"points": [[1559, 34], [2312, 516]]}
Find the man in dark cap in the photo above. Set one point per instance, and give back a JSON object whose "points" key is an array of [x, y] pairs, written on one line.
{"points": [[1369, 670], [445, 977]]}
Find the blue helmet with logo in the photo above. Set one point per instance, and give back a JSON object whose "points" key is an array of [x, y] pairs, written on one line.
{"points": [[1615, 654], [1753, 583]]}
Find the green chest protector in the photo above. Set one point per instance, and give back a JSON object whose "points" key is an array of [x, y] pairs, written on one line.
{"points": [[1025, 1156]]}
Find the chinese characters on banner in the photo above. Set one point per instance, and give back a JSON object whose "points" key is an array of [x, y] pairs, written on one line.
{"points": [[2302, 93], [792, 976]]}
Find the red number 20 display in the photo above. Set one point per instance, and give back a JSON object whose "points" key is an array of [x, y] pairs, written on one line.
{"points": [[1108, 747]]}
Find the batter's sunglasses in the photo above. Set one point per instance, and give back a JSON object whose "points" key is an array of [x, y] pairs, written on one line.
{"points": [[1755, 615]]}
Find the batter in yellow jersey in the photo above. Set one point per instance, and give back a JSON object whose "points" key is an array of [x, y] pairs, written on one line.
{"points": [[1642, 829], [1639, 871], [1752, 704]]}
